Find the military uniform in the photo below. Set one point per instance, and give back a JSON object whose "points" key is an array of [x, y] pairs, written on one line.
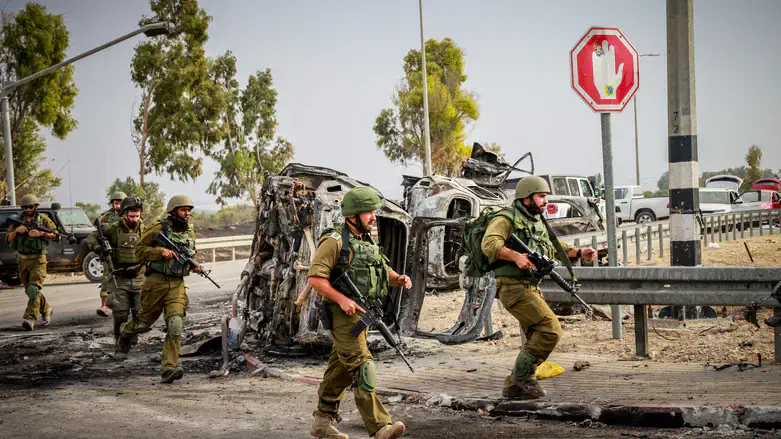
{"points": [[106, 218], [519, 291], [129, 269], [350, 362], [32, 269], [163, 291]]}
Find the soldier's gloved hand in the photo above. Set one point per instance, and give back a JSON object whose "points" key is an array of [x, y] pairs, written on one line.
{"points": [[35, 234], [168, 254], [349, 306], [21, 230]]}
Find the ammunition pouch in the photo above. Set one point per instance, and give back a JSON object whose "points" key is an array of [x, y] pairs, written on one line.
{"points": [[324, 314]]}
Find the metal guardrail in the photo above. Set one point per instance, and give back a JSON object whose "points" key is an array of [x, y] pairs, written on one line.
{"points": [[225, 242], [683, 286]]}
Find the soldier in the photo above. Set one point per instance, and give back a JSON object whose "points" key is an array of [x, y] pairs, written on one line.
{"points": [[123, 236], [350, 362], [518, 288], [107, 218], [163, 289], [31, 246]]}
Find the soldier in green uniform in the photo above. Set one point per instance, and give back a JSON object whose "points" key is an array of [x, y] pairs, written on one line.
{"points": [[163, 289], [123, 236], [351, 363], [31, 246], [518, 288], [108, 218]]}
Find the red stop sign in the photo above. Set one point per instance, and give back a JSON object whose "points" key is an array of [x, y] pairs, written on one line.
{"points": [[605, 69]]}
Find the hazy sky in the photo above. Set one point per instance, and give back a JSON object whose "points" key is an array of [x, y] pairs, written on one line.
{"points": [[335, 64]]}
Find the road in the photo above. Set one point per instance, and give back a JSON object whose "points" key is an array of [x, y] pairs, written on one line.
{"points": [[75, 299]]}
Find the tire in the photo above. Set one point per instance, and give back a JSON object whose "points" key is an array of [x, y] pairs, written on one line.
{"points": [[93, 267], [644, 217]]}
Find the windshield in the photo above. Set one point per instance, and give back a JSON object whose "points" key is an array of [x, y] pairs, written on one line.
{"points": [[714, 197], [73, 216]]}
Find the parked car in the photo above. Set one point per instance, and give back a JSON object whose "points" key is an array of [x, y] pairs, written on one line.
{"points": [[62, 255], [759, 199], [719, 200], [567, 186], [632, 205], [771, 184], [724, 182]]}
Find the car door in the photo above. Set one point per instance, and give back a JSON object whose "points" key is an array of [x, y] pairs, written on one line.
{"points": [[574, 187], [560, 186], [55, 249]]}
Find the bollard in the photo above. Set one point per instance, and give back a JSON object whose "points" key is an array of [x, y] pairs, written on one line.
{"points": [[759, 218], [625, 247], [704, 232], [233, 253], [595, 247], [734, 229], [661, 241], [751, 224], [712, 231], [641, 331], [637, 246], [742, 226], [721, 236], [650, 231], [770, 222], [214, 255]]}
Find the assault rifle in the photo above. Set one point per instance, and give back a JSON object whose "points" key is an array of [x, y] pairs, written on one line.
{"points": [[545, 266], [33, 225], [373, 316], [105, 251], [183, 255]]}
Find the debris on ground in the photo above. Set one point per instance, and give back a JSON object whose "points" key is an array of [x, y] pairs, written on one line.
{"points": [[581, 365]]}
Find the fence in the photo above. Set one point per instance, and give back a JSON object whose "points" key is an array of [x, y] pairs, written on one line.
{"points": [[224, 242]]}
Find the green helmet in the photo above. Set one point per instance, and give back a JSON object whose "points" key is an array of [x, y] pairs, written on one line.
{"points": [[130, 203], [358, 200], [179, 201], [118, 195], [531, 184], [29, 200]]}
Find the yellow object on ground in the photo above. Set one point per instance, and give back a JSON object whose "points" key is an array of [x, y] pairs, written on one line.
{"points": [[548, 369]]}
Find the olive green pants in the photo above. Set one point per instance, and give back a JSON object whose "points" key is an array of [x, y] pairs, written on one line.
{"points": [[543, 331], [123, 297], [344, 364], [105, 281], [32, 271], [161, 294]]}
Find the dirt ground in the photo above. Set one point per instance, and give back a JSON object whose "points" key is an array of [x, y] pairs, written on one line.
{"points": [[709, 341]]}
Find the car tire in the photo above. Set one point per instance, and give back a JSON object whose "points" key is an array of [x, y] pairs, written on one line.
{"points": [[644, 217], [93, 267]]}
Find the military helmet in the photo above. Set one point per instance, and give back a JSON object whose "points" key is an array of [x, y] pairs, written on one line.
{"points": [[531, 184], [29, 200], [130, 203], [118, 195], [360, 199], [179, 201]]}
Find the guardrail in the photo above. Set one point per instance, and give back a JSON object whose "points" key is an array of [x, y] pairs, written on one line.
{"points": [[649, 238], [224, 242], [683, 286]]}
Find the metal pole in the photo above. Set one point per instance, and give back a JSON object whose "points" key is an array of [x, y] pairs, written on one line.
{"points": [[637, 143], [637, 245], [641, 330], [9, 155], [427, 171], [624, 247], [610, 199], [650, 237], [661, 241], [685, 246]]}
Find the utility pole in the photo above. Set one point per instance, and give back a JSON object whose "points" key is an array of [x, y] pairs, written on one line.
{"points": [[685, 247], [427, 171]]}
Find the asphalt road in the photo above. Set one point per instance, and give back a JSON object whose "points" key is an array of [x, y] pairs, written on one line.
{"points": [[75, 299]]}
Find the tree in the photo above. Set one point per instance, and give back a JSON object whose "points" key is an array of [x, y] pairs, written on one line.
{"points": [[181, 106], [30, 41], [753, 160], [248, 150], [92, 210], [664, 181], [400, 130], [149, 193]]}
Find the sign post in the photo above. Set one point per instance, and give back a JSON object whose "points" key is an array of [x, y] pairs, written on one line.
{"points": [[606, 74]]}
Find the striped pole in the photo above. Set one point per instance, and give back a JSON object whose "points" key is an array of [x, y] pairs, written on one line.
{"points": [[685, 247]]}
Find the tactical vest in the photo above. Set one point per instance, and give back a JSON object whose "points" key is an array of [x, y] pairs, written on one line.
{"points": [[26, 245], [172, 267], [109, 217], [366, 268], [126, 241], [531, 230]]}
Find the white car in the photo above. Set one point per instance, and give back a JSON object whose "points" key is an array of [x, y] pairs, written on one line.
{"points": [[632, 205], [719, 200]]}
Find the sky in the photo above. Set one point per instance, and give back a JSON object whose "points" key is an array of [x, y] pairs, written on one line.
{"points": [[336, 63]]}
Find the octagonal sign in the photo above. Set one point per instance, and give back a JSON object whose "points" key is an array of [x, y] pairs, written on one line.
{"points": [[605, 69]]}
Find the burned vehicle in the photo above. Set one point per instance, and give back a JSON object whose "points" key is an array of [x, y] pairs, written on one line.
{"points": [[481, 184], [297, 205]]}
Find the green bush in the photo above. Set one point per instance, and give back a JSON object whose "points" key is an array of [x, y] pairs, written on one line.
{"points": [[227, 216]]}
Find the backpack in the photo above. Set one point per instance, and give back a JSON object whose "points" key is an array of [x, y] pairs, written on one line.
{"points": [[477, 263]]}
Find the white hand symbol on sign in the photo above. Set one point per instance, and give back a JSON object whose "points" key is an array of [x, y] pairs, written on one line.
{"points": [[605, 77]]}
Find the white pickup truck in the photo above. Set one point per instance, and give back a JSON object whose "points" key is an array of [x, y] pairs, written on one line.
{"points": [[631, 205]]}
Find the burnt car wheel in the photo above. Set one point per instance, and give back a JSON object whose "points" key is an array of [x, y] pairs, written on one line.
{"points": [[93, 267]]}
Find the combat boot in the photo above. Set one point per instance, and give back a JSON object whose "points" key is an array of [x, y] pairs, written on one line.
{"points": [[170, 375], [392, 431], [46, 317], [28, 324], [123, 344], [522, 383], [324, 426], [526, 389]]}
